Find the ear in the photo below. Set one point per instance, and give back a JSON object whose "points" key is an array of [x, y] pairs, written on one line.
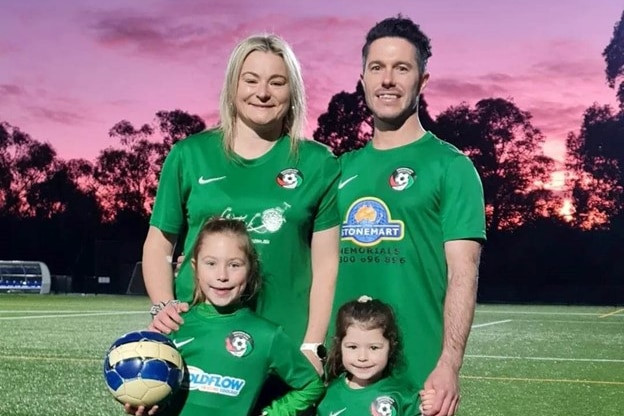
{"points": [[362, 80], [194, 265], [423, 82]]}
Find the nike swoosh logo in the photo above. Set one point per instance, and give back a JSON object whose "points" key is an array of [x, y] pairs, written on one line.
{"points": [[339, 411], [342, 184], [203, 181], [179, 344]]}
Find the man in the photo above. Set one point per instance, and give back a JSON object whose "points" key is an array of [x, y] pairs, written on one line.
{"points": [[412, 216]]}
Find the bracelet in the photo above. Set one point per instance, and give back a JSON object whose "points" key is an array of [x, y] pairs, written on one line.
{"points": [[157, 307], [317, 348]]}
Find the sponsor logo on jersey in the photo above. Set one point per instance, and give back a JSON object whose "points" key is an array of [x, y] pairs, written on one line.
{"points": [[369, 222], [384, 406], [269, 220], [402, 179], [214, 383], [290, 178], [239, 344]]}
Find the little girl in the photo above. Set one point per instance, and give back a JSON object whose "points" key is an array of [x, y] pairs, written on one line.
{"points": [[228, 350], [364, 352]]}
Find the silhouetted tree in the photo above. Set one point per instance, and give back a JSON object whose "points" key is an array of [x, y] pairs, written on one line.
{"points": [[348, 123], [506, 150], [614, 58], [127, 177], [177, 124], [595, 157], [24, 163]]}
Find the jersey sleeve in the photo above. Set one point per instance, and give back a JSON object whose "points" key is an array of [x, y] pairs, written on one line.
{"points": [[168, 211], [295, 369], [327, 212], [462, 204], [411, 405]]}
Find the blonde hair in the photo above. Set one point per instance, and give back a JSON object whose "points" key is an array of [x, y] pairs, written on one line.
{"points": [[294, 122]]}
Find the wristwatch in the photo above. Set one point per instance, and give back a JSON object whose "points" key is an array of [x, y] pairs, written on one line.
{"points": [[317, 348]]}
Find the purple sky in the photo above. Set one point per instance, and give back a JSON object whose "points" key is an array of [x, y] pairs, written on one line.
{"points": [[70, 70]]}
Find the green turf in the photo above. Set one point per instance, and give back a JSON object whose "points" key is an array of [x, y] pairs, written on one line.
{"points": [[542, 360]]}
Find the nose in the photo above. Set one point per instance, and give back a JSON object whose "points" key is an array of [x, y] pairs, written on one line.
{"points": [[362, 355], [263, 91], [222, 275], [388, 78]]}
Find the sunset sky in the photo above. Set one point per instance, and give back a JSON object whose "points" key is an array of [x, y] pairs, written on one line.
{"points": [[70, 70]]}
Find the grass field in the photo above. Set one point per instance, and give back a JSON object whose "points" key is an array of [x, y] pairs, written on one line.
{"points": [[521, 360]]}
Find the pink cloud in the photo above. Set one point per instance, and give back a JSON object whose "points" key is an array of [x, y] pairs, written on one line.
{"points": [[56, 115], [11, 90]]}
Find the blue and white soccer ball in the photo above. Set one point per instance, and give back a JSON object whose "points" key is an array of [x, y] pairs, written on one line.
{"points": [[143, 368]]}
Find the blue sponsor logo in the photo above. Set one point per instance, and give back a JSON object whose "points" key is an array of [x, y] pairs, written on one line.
{"points": [[368, 222], [214, 383]]}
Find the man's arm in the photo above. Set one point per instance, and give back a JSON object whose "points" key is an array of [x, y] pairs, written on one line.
{"points": [[158, 278], [324, 248], [462, 257]]}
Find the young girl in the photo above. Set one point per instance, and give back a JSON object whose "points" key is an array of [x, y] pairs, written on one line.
{"points": [[229, 351], [364, 351]]}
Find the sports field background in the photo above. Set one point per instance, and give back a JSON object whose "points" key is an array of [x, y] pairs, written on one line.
{"points": [[521, 360]]}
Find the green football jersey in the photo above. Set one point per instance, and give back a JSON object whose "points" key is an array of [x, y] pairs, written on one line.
{"points": [[386, 397], [398, 208], [282, 197], [228, 358]]}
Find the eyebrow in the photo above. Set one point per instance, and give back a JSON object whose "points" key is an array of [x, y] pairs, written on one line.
{"points": [[258, 76]]}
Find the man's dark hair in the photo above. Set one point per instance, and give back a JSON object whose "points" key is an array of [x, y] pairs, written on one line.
{"points": [[400, 27]]}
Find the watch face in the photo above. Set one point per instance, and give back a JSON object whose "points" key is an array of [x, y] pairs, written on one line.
{"points": [[321, 351]]}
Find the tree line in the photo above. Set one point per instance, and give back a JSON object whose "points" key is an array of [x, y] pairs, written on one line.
{"points": [[87, 217]]}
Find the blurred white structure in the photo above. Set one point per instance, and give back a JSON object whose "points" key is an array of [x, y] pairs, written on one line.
{"points": [[24, 276]]}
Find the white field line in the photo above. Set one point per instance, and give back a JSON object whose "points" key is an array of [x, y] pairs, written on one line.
{"points": [[544, 380], [62, 359], [544, 313], [562, 321], [612, 313], [73, 315], [505, 357], [491, 323]]}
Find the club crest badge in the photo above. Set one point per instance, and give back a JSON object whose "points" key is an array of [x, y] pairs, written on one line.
{"points": [[239, 344], [290, 178], [384, 406], [402, 179]]}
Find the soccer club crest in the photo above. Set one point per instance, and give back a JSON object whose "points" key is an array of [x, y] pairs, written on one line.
{"points": [[384, 406], [290, 178], [402, 179], [239, 344]]}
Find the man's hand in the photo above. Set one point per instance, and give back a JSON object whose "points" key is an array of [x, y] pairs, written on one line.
{"points": [[168, 318], [445, 381]]}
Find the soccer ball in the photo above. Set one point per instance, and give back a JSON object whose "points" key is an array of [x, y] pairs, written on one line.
{"points": [[143, 368], [402, 178]]}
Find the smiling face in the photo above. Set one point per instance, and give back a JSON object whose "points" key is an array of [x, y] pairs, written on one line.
{"points": [[263, 94], [391, 79], [364, 354], [221, 268]]}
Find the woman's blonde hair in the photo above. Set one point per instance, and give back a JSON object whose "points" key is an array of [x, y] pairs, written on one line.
{"points": [[294, 122]]}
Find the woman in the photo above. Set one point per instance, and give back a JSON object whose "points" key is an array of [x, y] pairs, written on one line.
{"points": [[257, 168]]}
